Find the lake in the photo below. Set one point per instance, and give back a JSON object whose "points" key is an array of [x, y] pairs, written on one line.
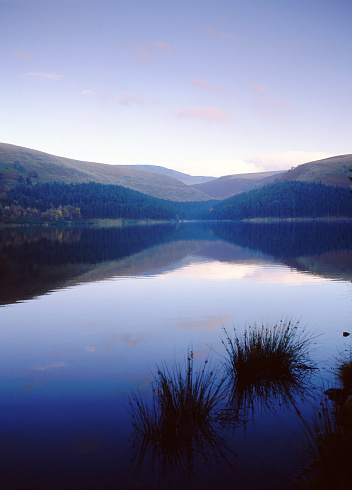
{"points": [[89, 315]]}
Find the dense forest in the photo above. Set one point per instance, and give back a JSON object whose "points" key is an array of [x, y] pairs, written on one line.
{"points": [[59, 202], [286, 200]]}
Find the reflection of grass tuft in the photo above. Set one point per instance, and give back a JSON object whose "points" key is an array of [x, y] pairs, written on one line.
{"points": [[181, 426], [330, 437], [267, 364]]}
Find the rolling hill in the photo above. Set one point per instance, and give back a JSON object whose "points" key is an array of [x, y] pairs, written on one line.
{"points": [[230, 185], [23, 163], [185, 178], [329, 171]]}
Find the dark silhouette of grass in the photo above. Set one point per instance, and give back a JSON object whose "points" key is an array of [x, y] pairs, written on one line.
{"points": [[266, 366], [329, 439], [182, 425]]}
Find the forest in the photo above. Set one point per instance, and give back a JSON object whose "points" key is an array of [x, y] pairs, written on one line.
{"points": [[291, 199], [59, 202]]}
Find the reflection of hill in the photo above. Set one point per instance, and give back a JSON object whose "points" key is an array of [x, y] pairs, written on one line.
{"points": [[332, 265], [35, 262]]}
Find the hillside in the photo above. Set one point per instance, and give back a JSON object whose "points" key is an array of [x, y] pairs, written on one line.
{"points": [[22, 163], [185, 178], [230, 185], [329, 171]]}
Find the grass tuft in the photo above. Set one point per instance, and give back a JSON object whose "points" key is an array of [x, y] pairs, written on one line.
{"points": [[181, 426], [267, 365]]}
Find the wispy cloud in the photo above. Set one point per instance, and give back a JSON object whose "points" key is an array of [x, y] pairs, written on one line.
{"points": [[202, 84], [213, 33], [46, 76], [145, 51], [21, 54], [87, 92], [283, 160], [259, 88], [128, 99], [269, 106], [211, 114]]}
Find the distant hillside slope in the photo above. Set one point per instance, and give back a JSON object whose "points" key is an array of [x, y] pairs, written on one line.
{"points": [[230, 185], [329, 171], [185, 178], [22, 163]]}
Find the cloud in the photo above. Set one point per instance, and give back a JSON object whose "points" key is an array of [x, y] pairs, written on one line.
{"points": [[160, 45], [211, 114], [212, 33], [127, 99], [21, 54], [259, 88], [87, 92], [198, 83], [283, 160], [269, 106], [46, 76], [147, 50]]}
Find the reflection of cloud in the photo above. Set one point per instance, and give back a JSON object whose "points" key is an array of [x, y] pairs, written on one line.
{"points": [[51, 366], [126, 339], [265, 273], [207, 323], [90, 349], [91, 324], [211, 114]]}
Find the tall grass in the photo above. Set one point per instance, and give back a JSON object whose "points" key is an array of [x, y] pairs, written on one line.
{"points": [[181, 425], [266, 365], [329, 440]]}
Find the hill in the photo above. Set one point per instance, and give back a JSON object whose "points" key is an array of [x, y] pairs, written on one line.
{"points": [[286, 200], [18, 163], [185, 178], [329, 171], [230, 185]]}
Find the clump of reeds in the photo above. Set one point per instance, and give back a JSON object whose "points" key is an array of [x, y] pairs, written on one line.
{"points": [[180, 426], [267, 364], [329, 448]]}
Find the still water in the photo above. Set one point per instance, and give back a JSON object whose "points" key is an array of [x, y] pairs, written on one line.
{"points": [[87, 315]]}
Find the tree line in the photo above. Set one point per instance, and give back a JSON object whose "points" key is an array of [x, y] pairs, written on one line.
{"points": [[57, 202], [291, 199]]}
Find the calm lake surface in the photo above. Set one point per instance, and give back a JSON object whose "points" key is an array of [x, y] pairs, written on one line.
{"points": [[88, 314]]}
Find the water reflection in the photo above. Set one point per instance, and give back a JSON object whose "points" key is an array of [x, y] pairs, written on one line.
{"points": [[33, 262], [267, 367], [192, 413], [182, 425], [329, 437]]}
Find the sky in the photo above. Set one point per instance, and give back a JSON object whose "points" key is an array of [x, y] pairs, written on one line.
{"points": [[200, 86]]}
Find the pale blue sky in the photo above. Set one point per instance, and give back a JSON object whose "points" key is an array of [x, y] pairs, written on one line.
{"points": [[205, 87]]}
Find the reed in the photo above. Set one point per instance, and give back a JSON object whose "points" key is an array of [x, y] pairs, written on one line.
{"points": [[267, 365], [182, 424]]}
